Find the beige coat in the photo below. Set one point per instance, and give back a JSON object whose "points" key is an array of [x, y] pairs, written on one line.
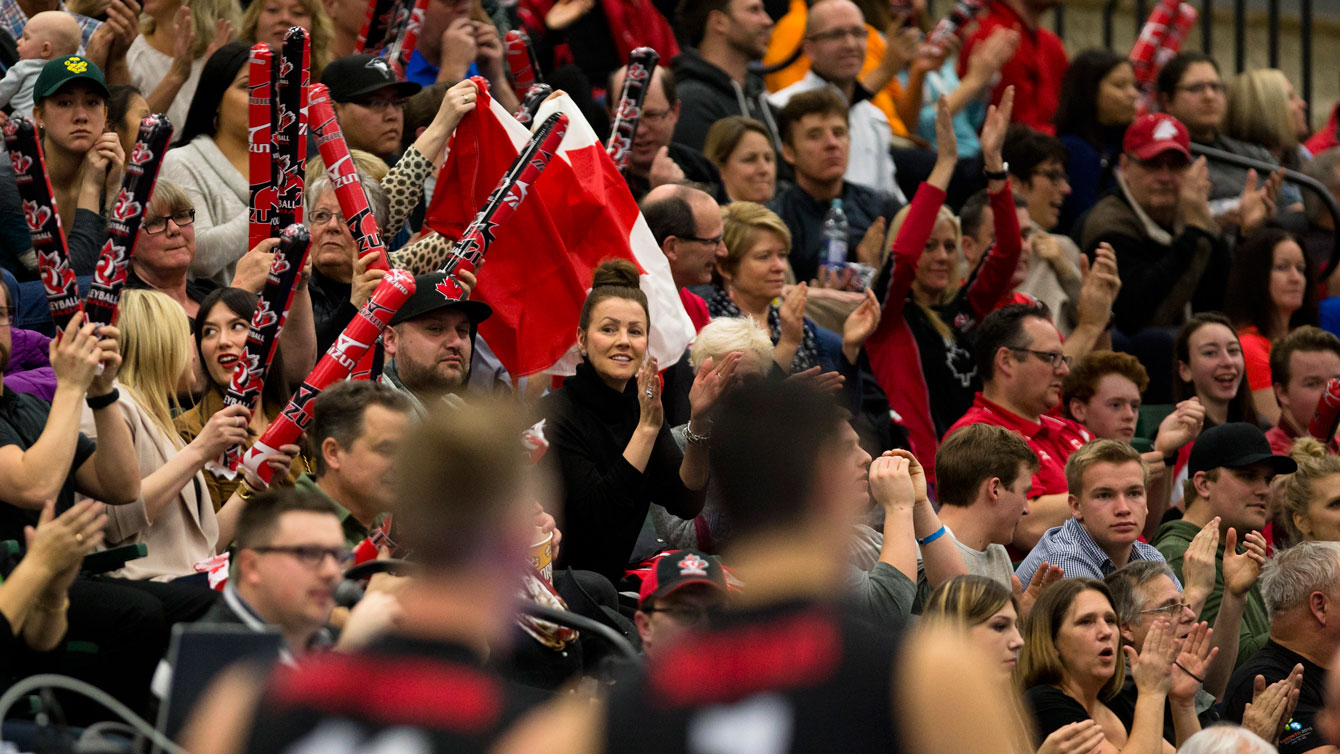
{"points": [[186, 530]]}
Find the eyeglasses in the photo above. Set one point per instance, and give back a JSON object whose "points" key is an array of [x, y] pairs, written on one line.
{"points": [[713, 242], [1203, 87], [681, 614], [1055, 176], [1053, 358], [380, 103], [1169, 611], [857, 33], [649, 115], [1167, 161], [321, 217], [311, 555], [155, 225]]}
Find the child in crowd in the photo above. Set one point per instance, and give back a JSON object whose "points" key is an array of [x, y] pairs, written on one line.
{"points": [[47, 36]]}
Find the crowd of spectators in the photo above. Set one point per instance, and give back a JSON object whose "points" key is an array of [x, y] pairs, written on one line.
{"points": [[1047, 430]]}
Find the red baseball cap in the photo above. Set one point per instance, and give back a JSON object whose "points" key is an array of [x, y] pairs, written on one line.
{"points": [[677, 569], [1155, 133]]}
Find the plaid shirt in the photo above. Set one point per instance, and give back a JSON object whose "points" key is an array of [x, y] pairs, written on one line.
{"points": [[13, 19], [1070, 547]]}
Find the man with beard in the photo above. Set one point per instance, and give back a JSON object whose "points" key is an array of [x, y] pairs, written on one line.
{"points": [[430, 343]]}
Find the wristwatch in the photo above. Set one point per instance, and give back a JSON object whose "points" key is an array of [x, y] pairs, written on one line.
{"points": [[998, 176]]}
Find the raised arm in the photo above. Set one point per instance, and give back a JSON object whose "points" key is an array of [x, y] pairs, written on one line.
{"points": [[112, 474], [993, 278]]}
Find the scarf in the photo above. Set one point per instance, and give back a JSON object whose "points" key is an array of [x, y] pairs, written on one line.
{"points": [[720, 304]]}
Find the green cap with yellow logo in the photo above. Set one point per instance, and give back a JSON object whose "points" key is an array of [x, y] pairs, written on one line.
{"points": [[57, 73]]}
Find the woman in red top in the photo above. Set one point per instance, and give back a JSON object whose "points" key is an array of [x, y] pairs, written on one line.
{"points": [[1270, 292], [918, 351]]}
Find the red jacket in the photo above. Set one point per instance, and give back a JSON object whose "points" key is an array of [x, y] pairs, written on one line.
{"points": [[894, 356], [1035, 71], [633, 23]]}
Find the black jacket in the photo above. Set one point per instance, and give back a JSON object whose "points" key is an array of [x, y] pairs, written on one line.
{"points": [[709, 95], [605, 499]]}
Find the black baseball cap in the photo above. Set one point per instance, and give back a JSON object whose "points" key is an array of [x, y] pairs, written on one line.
{"points": [[438, 290], [676, 570], [355, 75], [1235, 445]]}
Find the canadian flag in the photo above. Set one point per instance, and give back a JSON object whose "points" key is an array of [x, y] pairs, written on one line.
{"points": [[538, 269]]}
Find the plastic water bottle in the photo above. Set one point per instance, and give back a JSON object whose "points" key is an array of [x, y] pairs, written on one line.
{"points": [[835, 236]]}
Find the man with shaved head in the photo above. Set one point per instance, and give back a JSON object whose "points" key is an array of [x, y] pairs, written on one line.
{"points": [[835, 40]]}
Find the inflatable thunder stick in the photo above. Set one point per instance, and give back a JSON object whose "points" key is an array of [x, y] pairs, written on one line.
{"points": [[266, 326], [511, 190], [340, 360], [1146, 47], [123, 228], [344, 177], [521, 61], [401, 48], [959, 18], [261, 74], [1327, 416], [1172, 42], [530, 104], [39, 212], [641, 64], [372, 35], [290, 135]]}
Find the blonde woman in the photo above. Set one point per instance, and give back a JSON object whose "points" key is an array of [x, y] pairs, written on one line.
{"points": [[1306, 497], [175, 41], [268, 20], [173, 516], [1264, 109]]}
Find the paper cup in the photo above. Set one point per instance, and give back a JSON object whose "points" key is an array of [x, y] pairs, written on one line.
{"points": [[542, 557]]}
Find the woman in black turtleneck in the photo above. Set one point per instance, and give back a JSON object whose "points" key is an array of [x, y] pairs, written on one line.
{"points": [[607, 435], [1099, 97]]}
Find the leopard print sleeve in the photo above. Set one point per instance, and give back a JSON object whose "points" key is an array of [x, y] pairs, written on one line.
{"points": [[426, 255], [404, 186]]}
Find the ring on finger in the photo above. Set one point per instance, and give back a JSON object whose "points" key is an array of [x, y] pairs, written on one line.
{"points": [[79, 537]]}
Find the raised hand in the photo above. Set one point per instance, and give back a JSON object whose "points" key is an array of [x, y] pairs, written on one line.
{"points": [[74, 354], [649, 395], [58, 544], [891, 482], [1242, 569], [915, 471], [1272, 706], [225, 429], [1198, 563], [1193, 200], [366, 278], [1256, 205], [1192, 662], [1152, 666], [1099, 287], [1046, 575], [1180, 427], [946, 145], [993, 131], [792, 315], [710, 382], [859, 326], [817, 379], [871, 249]]}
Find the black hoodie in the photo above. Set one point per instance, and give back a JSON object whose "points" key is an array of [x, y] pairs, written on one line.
{"points": [[708, 94]]}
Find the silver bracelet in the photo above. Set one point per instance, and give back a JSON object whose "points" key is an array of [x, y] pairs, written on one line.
{"points": [[693, 437]]}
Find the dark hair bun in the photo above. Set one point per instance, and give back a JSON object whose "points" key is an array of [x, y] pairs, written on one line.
{"points": [[616, 273]]}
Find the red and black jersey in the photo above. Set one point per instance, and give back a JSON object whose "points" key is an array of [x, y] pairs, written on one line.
{"points": [[800, 677], [439, 695]]}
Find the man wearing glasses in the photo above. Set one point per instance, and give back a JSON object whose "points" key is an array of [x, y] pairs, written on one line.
{"points": [[681, 589], [1022, 365], [290, 555], [1107, 481], [654, 159], [835, 40], [369, 103]]}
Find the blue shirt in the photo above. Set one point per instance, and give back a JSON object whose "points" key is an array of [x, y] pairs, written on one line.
{"points": [[423, 73], [1070, 547]]}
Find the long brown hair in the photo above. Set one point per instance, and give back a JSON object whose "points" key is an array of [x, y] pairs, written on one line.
{"points": [[1040, 663]]}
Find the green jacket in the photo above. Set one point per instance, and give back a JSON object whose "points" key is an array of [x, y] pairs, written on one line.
{"points": [[354, 531], [1172, 539]]}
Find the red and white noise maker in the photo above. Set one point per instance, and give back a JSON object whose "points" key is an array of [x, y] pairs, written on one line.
{"points": [[521, 61], [267, 323], [123, 229], [344, 177], [1146, 47], [960, 16], [338, 363], [262, 71], [530, 104], [1327, 416], [289, 131], [39, 212], [372, 35], [406, 37], [641, 65], [511, 190]]}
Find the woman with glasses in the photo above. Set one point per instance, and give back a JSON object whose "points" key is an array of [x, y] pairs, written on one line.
{"points": [[166, 248], [919, 351], [174, 516]]}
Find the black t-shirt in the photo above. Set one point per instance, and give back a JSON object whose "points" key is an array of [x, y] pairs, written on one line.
{"points": [[22, 419], [1275, 663], [798, 677], [1053, 709], [370, 700]]}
